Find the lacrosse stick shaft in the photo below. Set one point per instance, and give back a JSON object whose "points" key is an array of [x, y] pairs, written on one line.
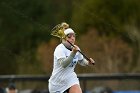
{"points": [[81, 52]]}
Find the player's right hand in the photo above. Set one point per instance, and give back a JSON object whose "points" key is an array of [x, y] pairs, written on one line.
{"points": [[75, 48]]}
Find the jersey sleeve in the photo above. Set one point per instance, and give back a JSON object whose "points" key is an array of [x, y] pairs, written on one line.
{"points": [[80, 56], [59, 53]]}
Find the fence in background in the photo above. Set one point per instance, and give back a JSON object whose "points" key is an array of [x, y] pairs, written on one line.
{"points": [[84, 78]]}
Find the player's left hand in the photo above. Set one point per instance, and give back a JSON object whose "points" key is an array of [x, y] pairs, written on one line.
{"points": [[91, 62]]}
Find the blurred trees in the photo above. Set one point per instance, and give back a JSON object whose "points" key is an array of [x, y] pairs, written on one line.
{"points": [[111, 18], [25, 25]]}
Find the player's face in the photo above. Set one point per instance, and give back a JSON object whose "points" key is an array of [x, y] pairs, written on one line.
{"points": [[71, 38]]}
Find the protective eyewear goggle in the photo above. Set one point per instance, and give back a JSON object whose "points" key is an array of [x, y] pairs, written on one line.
{"points": [[71, 34]]}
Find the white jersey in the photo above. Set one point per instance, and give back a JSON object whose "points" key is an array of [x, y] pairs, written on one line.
{"points": [[63, 78]]}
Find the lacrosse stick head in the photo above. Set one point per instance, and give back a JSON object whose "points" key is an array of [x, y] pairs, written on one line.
{"points": [[58, 30]]}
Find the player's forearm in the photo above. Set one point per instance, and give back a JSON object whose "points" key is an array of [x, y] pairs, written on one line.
{"points": [[83, 62], [66, 61]]}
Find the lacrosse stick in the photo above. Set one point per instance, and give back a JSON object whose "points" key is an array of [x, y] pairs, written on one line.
{"points": [[58, 31]]}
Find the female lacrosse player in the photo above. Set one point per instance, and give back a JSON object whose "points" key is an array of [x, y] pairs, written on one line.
{"points": [[63, 78]]}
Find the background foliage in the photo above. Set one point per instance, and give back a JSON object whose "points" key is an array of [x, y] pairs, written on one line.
{"points": [[107, 30]]}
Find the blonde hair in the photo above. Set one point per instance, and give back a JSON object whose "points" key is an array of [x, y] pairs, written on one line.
{"points": [[65, 25]]}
